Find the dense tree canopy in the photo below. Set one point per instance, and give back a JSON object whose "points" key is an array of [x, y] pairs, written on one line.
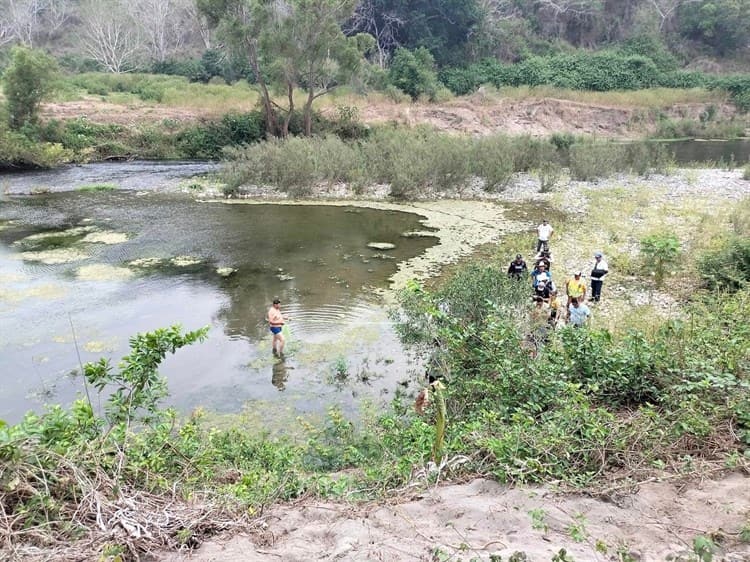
{"points": [[115, 35]]}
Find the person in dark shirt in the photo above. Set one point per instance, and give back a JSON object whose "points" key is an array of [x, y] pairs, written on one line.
{"points": [[517, 268]]}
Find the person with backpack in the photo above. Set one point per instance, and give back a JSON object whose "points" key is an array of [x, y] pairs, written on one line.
{"points": [[599, 271]]}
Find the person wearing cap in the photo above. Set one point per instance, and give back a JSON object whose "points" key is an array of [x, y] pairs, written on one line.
{"points": [[598, 273], [517, 267], [544, 233], [578, 313], [540, 274], [543, 289], [276, 321], [575, 288], [544, 257]]}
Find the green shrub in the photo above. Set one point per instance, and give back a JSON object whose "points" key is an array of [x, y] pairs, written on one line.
{"points": [[728, 267], [660, 252], [19, 151], [492, 160], [413, 72], [650, 46], [746, 173], [28, 80]]}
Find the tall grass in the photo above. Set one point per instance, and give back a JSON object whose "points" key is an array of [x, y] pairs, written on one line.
{"points": [[174, 91], [414, 160], [650, 98]]}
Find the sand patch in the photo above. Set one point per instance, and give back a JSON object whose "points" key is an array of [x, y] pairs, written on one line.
{"points": [[482, 518], [103, 272]]}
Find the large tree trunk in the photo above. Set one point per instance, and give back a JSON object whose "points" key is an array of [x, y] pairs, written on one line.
{"points": [[272, 124], [290, 95], [308, 112]]}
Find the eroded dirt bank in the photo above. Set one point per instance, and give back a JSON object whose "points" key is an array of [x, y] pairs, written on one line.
{"points": [[477, 114], [482, 518]]}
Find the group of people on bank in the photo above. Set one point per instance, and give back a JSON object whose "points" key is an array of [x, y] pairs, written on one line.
{"points": [[570, 308]]}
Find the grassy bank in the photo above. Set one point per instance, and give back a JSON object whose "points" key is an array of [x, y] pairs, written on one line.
{"points": [[596, 409], [168, 117]]}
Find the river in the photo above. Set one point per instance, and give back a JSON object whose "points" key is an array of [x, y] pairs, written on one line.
{"points": [[87, 270]]}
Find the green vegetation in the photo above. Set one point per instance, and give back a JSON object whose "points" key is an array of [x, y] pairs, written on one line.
{"points": [[27, 82], [660, 252], [97, 187], [521, 404], [726, 266], [411, 161]]}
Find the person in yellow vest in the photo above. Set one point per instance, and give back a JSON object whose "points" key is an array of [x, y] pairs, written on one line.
{"points": [[575, 288]]}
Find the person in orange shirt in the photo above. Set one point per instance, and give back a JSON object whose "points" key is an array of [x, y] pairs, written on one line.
{"points": [[276, 321]]}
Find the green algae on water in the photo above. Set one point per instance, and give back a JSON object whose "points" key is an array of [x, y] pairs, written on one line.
{"points": [[103, 272], [185, 261], [105, 238], [56, 256]]}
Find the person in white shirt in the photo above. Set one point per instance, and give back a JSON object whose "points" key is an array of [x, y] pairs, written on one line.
{"points": [[544, 233], [598, 273]]}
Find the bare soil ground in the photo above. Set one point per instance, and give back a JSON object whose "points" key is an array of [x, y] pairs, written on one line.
{"points": [[481, 115], [477, 115], [482, 518]]}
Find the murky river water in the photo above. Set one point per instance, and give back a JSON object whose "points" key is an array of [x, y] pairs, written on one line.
{"points": [[116, 263]]}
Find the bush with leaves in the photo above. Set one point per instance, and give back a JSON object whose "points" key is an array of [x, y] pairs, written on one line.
{"points": [[413, 72], [27, 82], [660, 253], [727, 268]]}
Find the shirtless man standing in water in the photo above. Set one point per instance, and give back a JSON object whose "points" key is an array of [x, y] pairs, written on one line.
{"points": [[275, 323]]}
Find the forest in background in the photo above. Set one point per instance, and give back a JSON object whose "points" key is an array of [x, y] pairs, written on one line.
{"points": [[114, 35], [293, 52]]}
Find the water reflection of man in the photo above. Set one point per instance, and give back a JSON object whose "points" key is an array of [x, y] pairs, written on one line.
{"points": [[276, 322], [279, 375]]}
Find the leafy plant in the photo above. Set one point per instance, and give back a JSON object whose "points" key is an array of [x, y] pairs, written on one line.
{"points": [[340, 369], [660, 253], [704, 548], [577, 530], [538, 519], [28, 80], [137, 386]]}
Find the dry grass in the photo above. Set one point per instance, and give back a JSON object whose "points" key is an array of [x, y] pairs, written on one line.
{"points": [[649, 98], [107, 518]]}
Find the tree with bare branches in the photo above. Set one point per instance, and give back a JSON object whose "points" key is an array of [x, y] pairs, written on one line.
{"points": [[108, 34]]}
